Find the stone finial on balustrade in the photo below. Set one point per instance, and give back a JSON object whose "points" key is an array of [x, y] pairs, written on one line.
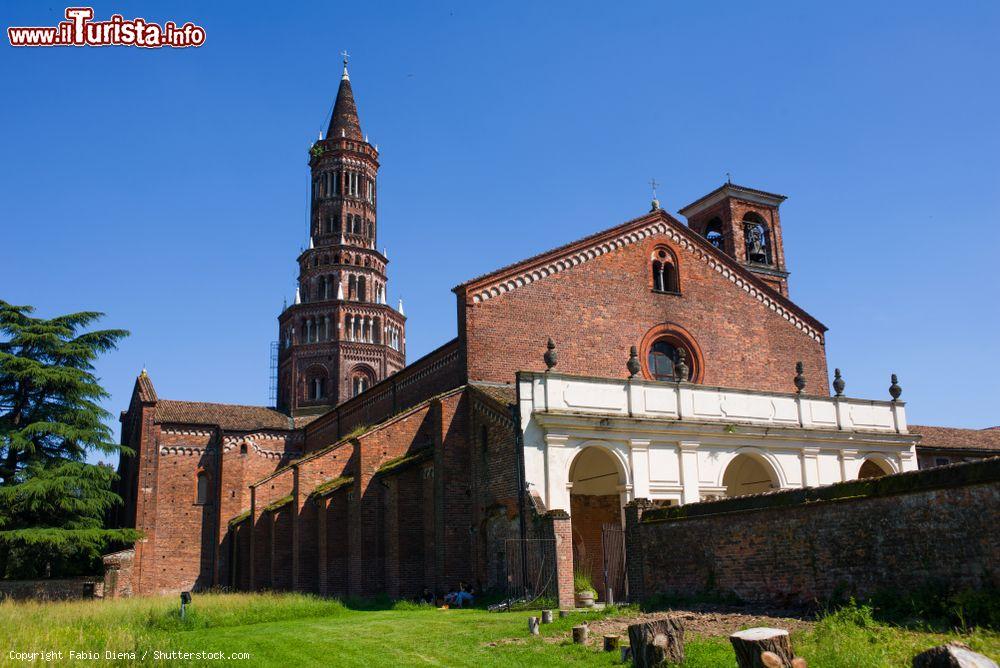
{"points": [[838, 383], [682, 370], [800, 378], [550, 355], [633, 362], [895, 390]]}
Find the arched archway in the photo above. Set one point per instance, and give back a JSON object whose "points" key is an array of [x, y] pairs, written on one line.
{"points": [[748, 474], [873, 467], [596, 482]]}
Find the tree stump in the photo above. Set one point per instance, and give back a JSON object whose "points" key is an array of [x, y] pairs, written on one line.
{"points": [[580, 634], [533, 625], [952, 655], [750, 644], [611, 643], [656, 643], [563, 613], [626, 653], [546, 616]]}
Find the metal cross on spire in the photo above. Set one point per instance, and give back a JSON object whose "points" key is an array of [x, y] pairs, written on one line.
{"points": [[346, 56], [655, 204]]}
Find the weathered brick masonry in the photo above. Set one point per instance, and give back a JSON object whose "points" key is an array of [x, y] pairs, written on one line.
{"points": [[375, 477], [852, 539]]}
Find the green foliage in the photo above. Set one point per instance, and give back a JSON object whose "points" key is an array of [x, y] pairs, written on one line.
{"points": [[940, 606], [583, 581], [278, 629], [52, 503], [52, 520]]}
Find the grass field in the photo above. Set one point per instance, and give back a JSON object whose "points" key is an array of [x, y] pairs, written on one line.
{"points": [[301, 630]]}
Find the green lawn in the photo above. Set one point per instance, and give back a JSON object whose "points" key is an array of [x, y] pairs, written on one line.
{"points": [[302, 630]]}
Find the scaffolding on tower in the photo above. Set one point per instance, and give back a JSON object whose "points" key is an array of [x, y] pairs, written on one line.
{"points": [[272, 388]]}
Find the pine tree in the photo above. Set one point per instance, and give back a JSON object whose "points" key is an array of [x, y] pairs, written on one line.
{"points": [[52, 502]]}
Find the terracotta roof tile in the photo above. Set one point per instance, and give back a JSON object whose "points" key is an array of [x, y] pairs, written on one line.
{"points": [[957, 439], [230, 417], [506, 395]]}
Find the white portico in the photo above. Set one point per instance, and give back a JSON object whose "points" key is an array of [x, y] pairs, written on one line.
{"points": [[681, 442]]}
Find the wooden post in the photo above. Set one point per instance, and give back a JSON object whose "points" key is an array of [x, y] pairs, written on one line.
{"points": [[751, 644], [533, 625], [611, 643], [580, 634], [656, 643], [546, 616]]}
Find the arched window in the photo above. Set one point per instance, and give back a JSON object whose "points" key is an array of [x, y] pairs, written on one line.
{"points": [[318, 389], [201, 495], [713, 232], [664, 271], [352, 287], [664, 358], [757, 239], [362, 293]]}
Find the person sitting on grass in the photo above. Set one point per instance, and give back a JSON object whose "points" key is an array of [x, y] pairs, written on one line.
{"points": [[427, 596], [461, 597]]}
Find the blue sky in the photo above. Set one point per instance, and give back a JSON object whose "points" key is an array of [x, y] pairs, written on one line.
{"points": [[169, 188]]}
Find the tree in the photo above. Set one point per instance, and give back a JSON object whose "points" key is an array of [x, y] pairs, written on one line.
{"points": [[52, 502]]}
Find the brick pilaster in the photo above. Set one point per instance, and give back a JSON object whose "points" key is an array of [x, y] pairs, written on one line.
{"points": [[561, 529], [634, 554]]}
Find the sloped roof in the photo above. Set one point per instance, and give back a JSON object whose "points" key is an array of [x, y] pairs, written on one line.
{"points": [[736, 191], [144, 386], [344, 120], [561, 258], [231, 417], [505, 395], [956, 438]]}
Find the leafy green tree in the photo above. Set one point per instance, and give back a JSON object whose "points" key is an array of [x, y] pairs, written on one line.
{"points": [[52, 502]]}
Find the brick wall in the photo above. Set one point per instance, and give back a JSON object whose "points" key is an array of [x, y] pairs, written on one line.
{"points": [[852, 539], [596, 310], [52, 590]]}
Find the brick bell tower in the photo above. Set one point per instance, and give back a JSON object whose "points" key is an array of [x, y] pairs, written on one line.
{"points": [[339, 337], [744, 223]]}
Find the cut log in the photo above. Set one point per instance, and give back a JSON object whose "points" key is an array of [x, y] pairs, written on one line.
{"points": [[580, 634], [546, 616], [656, 643], [952, 655], [611, 643], [626, 653], [563, 613], [750, 644], [533, 625]]}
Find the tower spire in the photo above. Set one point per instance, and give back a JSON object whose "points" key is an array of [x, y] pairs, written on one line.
{"points": [[344, 121]]}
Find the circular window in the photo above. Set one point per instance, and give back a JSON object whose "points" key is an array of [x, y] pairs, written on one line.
{"points": [[664, 360], [662, 348]]}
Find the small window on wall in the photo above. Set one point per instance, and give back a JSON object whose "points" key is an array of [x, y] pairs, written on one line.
{"points": [[664, 360], [664, 271], [941, 461], [202, 489]]}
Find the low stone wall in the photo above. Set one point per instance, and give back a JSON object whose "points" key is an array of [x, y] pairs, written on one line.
{"points": [[52, 590], [797, 547]]}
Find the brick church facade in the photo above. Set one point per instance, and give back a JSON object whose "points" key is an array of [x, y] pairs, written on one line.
{"points": [[374, 476]]}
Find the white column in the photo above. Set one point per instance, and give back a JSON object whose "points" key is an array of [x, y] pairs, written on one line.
{"points": [[847, 458], [557, 486], [810, 467], [689, 472], [639, 456]]}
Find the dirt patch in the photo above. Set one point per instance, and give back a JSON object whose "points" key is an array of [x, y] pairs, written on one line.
{"points": [[704, 621]]}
